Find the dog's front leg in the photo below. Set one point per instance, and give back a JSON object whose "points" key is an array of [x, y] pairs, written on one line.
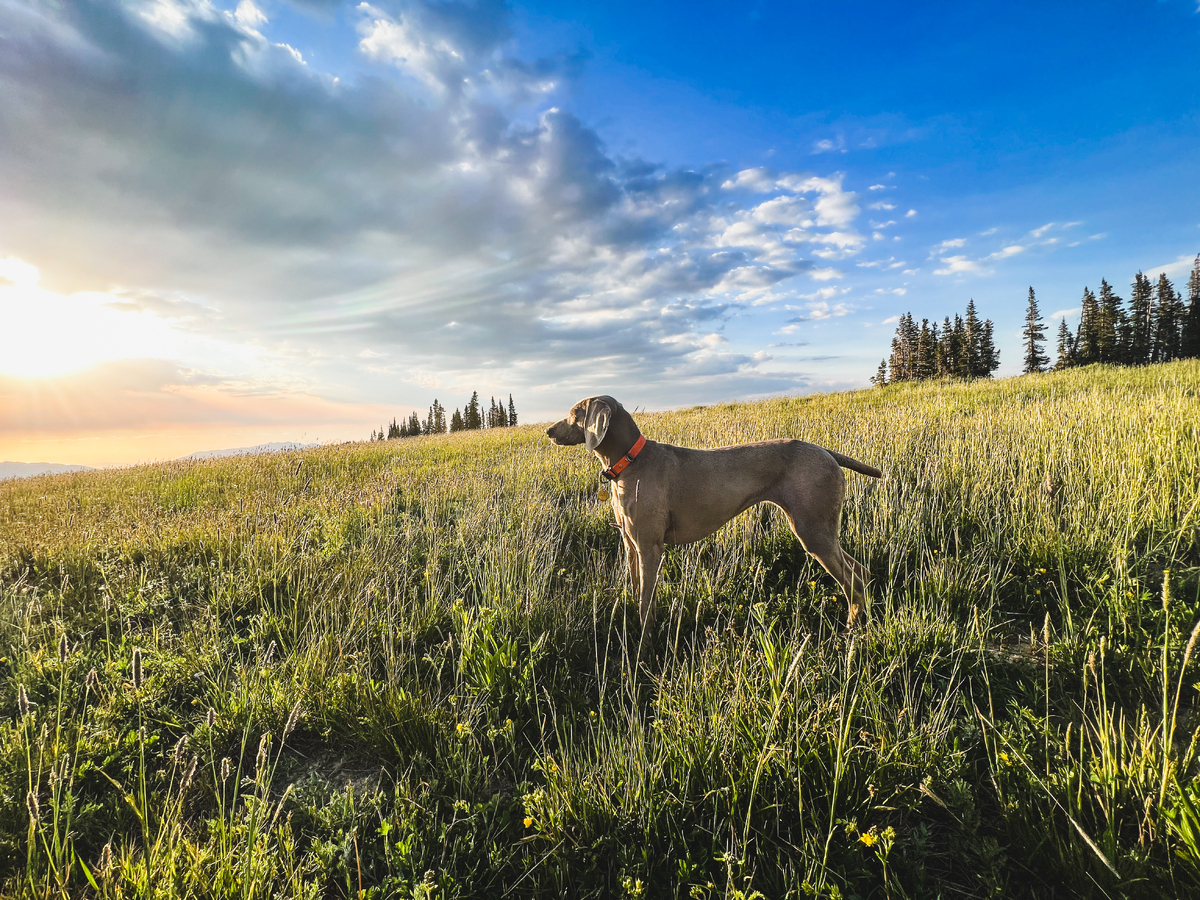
{"points": [[650, 554], [631, 558]]}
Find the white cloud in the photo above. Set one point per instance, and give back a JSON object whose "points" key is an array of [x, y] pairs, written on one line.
{"points": [[957, 265], [821, 309], [834, 205], [759, 180], [882, 204], [1038, 232], [877, 187], [1006, 252], [824, 274], [249, 15], [1063, 313], [825, 293], [950, 244], [829, 146], [19, 273], [1177, 269], [910, 214], [784, 210]]}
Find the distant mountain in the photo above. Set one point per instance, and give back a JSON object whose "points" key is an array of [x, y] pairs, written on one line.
{"points": [[29, 470], [239, 451]]}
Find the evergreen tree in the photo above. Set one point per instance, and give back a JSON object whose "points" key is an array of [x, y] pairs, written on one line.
{"points": [[989, 356], [456, 421], [879, 379], [1066, 346], [372, 435], [926, 366], [471, 413], [414, 424], [1190, 341], [962, 356], [1140, 321], [512, 411], [1035, 336], [1087, 338], [1109, 325], [393, 430], [904, 350], [1168, 319], [974, 342]]}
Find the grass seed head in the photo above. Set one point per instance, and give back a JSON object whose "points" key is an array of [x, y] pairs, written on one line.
{"points": [[291, 722], [31, 803], [224, 770], [261, 759], [23, 705], [137, 668], [64, 649]]}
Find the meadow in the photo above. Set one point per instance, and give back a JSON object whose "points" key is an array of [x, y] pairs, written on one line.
{"points": [[407, 668]]}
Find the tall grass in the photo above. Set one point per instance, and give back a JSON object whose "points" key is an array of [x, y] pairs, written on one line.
{"points": [[406, 669]]}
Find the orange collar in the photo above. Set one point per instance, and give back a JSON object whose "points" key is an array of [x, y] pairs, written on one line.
{"points": [[618, 467]]}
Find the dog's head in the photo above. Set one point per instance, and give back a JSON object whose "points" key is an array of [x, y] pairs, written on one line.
{"points": [[586, 423]]}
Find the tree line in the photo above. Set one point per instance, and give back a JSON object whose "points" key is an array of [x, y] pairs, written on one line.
{"points": [[959, 349], [1156, 327], [472, 416]]}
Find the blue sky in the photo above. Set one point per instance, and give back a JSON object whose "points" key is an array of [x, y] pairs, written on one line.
{"points": [[225, 223]]}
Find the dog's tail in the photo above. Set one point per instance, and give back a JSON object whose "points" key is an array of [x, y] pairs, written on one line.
{"points": [[847, 463]]}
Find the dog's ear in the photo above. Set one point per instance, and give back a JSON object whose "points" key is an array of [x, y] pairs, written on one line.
{"points": [[596, 425]]}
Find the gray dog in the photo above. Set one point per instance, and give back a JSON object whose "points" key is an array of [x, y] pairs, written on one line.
{"points": [[674, 495]]}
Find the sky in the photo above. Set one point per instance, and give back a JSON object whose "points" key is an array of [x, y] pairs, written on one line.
{"points": [[228, 223]]}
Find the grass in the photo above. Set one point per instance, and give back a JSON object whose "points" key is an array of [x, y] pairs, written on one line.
{"points": [[403, 669]]}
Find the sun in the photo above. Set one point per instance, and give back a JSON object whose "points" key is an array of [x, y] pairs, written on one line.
{"points": [[48, 335]]}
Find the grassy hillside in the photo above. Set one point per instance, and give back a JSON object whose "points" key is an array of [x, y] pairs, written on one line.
{"points": [[403, 669]]}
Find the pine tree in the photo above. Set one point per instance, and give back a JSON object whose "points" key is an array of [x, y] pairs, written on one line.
{"points": [[904, 350], [471, 414], [1087, 343], [1190, 342], [974, 335], [456, 421], [414, 424], [945, 350], [1066, 346], [512, 411], [1168, 317], [1035, 336], [1140, 321], [879, 379], [989, 355], [1109, 325]]}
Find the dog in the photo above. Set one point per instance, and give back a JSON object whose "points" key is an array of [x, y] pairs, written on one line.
{"points": [[662, 494]]}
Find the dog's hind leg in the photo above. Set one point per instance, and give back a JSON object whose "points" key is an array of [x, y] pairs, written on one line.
{"points": [[817, 531]]}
